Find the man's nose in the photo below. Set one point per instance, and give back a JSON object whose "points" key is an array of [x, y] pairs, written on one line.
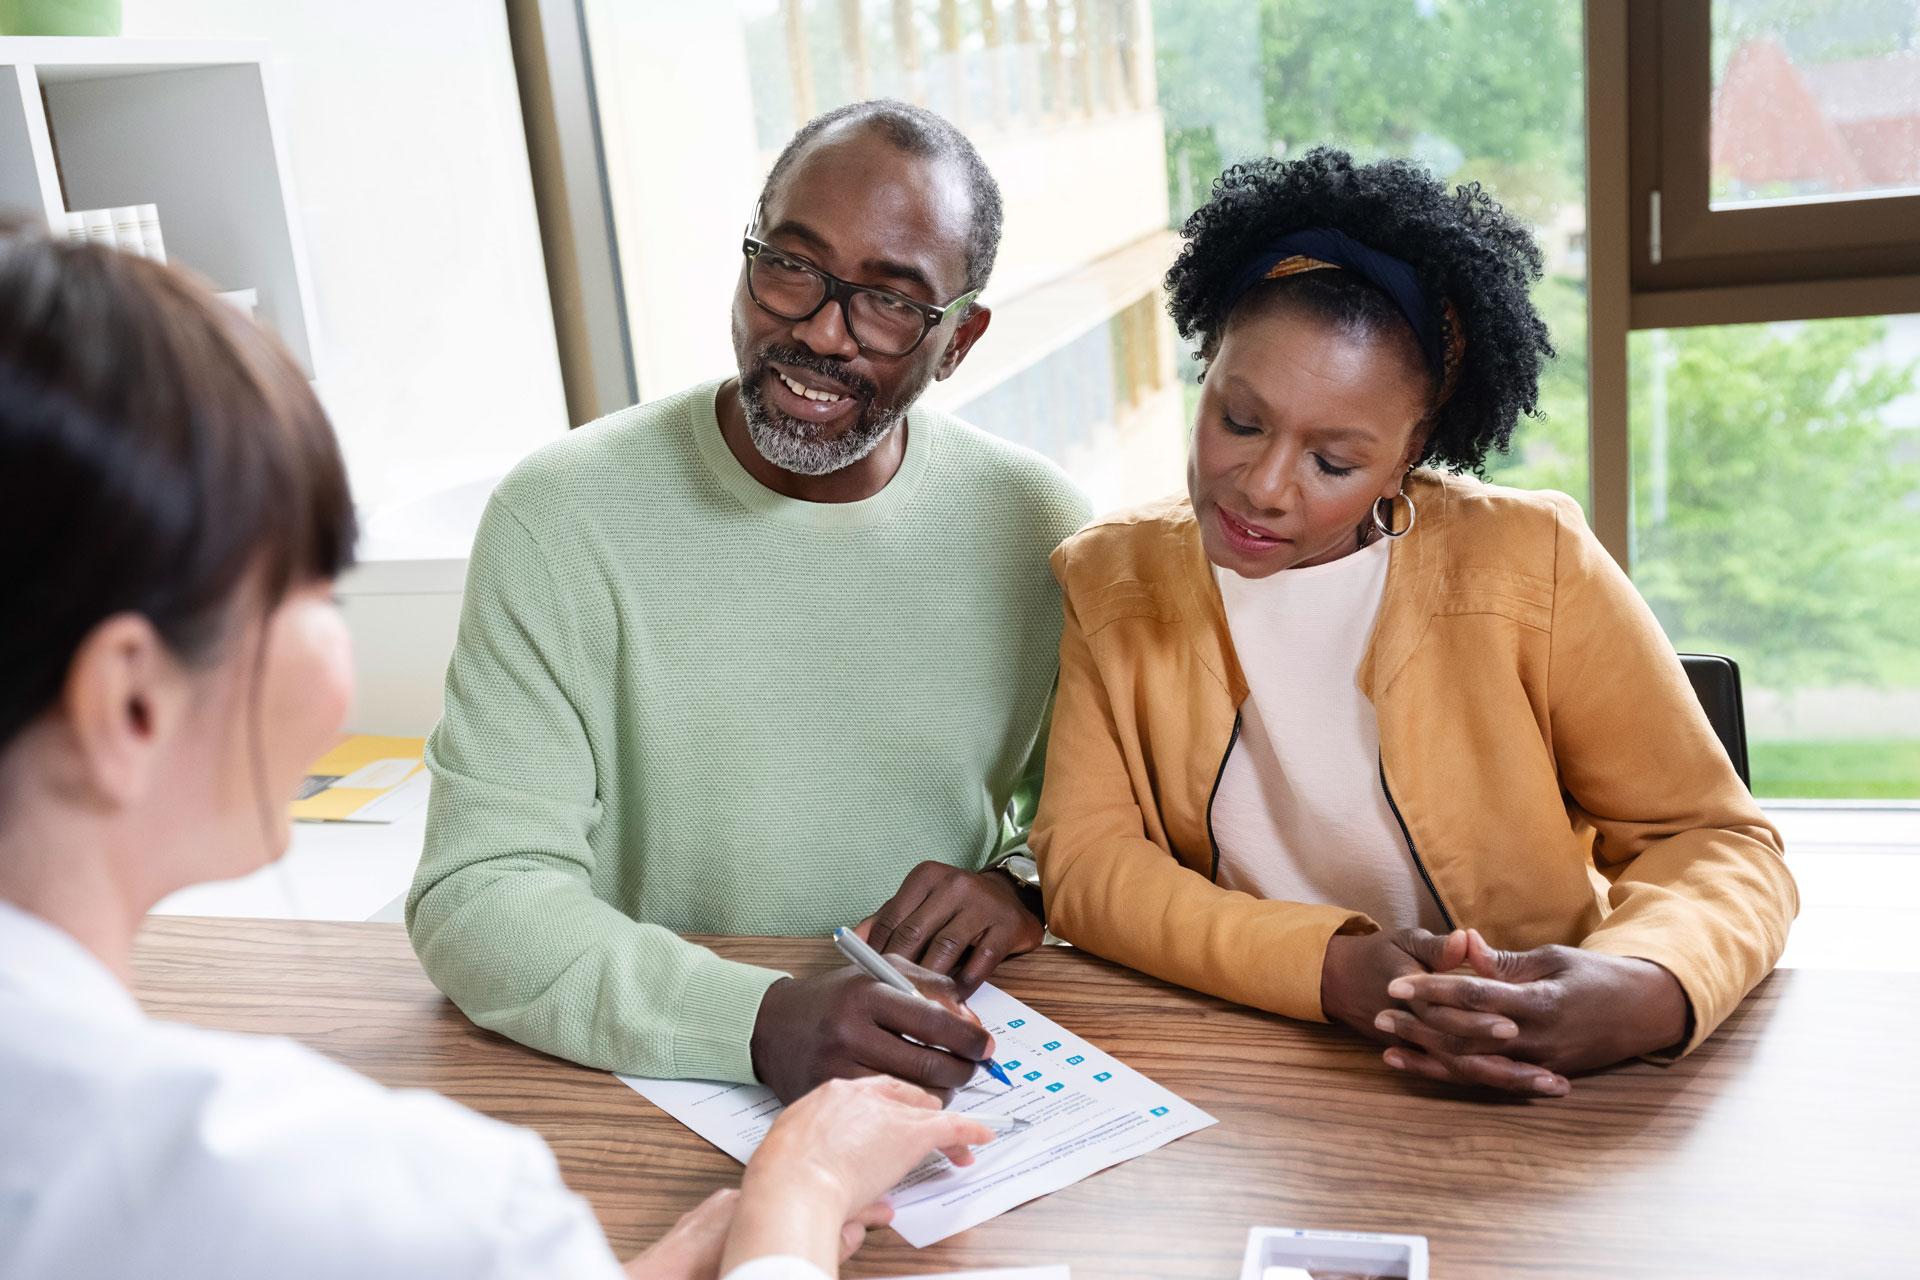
{"points": [[825, 332]]}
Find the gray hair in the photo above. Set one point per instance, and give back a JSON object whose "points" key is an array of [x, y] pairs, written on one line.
{"points": [[918, 132]]}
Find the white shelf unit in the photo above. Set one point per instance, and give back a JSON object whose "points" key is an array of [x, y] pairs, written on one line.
{"points": [[189, 126]]}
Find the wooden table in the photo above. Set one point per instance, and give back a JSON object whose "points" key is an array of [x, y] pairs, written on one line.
{"points": [[1786, 1146]]}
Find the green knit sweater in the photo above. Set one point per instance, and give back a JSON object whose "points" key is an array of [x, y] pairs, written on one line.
{"points": [[681, 703]]}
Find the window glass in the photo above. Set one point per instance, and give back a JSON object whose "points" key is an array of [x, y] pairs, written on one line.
{"points": [[1105, 122], [1814, 98], [1489, 91], [1776, 502]]}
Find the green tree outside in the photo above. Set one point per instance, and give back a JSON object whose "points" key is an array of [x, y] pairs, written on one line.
{"points": [[1776, 521]]}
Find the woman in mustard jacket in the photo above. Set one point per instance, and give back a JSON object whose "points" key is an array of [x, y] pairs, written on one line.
{"points": [[1346, 735]]}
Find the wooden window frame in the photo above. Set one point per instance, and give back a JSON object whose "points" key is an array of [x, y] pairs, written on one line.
{"points": [[1649, 101], [1861, 251]]}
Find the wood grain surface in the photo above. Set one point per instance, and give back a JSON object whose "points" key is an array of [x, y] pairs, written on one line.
{"points": [[1786, 1146]]}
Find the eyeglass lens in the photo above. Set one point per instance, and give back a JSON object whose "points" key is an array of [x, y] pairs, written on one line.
{"points": [[791, 289]]}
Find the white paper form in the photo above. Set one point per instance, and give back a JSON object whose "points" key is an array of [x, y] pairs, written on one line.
{"points": [[1086, 1111]]}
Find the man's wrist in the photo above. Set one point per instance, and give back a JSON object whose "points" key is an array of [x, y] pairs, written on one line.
{"points": [[763, 1020], [1019, 869]]}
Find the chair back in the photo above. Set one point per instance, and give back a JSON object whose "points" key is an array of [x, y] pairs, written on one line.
{"points": [[1716, 682]]}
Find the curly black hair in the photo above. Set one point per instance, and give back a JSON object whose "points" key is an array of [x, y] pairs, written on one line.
{"points": [[1462, 246]]}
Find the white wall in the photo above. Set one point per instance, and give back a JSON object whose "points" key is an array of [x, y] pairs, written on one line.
{"points": [[401, 123]]}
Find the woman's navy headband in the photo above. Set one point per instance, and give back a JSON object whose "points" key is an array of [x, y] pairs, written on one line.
{"points": [[1318, 248]]}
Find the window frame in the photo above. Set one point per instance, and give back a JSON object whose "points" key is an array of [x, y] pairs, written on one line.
{"points": [[1858, 251]]}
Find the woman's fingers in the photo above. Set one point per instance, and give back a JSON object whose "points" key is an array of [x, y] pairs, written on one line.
{"points": [[1433, 951], [900, 1091], [946, 1131], [1467, 1023], [953, 1130], [1491, 1070], [853, 1234], [1473, 1038], [1518, 1001]]}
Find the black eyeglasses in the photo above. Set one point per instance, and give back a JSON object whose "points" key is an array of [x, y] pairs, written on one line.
{"points": [[882, 322]]}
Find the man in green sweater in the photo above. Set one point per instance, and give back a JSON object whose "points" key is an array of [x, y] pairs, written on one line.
{"points": [[740, 660]]}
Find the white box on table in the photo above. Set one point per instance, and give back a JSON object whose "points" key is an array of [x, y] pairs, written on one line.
{"points": [[1289, 1253]]}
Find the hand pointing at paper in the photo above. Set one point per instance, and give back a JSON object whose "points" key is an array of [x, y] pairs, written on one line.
{"points": [[830, 1157]]}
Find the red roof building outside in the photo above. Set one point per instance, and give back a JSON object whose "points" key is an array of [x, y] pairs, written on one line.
{"points": [[1782, 129]]}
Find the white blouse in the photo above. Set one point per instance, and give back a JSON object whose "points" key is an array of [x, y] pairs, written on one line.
{"points": [[1300, 814], [783, 1267], [134, 1147]]}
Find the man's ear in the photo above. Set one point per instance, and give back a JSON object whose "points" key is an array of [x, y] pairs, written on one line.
{"points": [[965, 334], [124, 698]]}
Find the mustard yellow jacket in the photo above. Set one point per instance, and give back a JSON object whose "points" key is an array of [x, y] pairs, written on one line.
{"points": [[1557, 780]]}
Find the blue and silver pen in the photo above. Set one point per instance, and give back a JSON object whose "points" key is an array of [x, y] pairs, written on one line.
{"points": [[854, 948]]}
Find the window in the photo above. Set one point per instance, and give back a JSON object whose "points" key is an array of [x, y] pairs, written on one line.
{"points": [[1814, 100], [1105, 122], [1058, 95], [1754, 354], [1774, 144], [1119, 375], [1776, 505], [1487, 92]]}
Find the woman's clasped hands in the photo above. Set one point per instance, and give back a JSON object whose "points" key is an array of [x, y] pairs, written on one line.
{"points": [[1452, 1008]]}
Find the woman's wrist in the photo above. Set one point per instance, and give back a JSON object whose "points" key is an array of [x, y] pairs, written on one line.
{"points": [[1665, 1013], [781, 1216]]}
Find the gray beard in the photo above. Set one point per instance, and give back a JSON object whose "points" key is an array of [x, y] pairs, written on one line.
{"points": [[797, 446]]}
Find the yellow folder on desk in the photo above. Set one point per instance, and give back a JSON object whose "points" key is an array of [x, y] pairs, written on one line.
{"points": [[343, 783]]}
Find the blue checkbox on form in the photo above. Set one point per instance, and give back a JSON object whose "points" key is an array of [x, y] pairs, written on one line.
{"points": [[1103, 1076], [1158, 1111], [1055, 1087], [1018, 1022], [1031, 1075], [1075, 1060], [1010, 1066], [1051, 1045]]}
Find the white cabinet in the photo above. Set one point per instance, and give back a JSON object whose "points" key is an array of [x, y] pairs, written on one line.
{"points": [[184, 125]]}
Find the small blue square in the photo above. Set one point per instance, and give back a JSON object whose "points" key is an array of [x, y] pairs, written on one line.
{"points": [[1104, 1076], [1051, 1045], [1031, 1075], [1010, 1066], [1158, 1111], [1018, 1022], [1055, 1087], [1075, 1060]]}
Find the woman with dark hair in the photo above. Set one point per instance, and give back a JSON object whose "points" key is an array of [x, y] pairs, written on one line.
{"points": [[1337, 724], [174, 510]]}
